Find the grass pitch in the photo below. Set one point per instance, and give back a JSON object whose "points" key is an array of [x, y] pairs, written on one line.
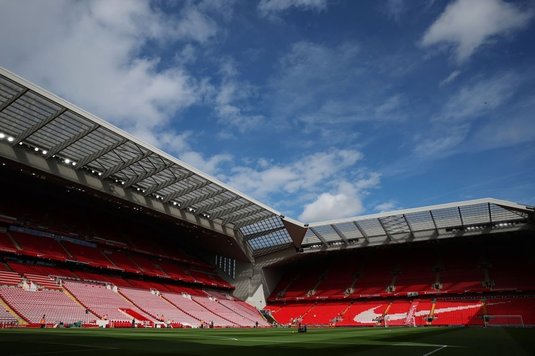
{"points": [[273, 342]]}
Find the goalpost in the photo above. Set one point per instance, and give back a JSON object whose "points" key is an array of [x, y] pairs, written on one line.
{"points": [[504, 320]]}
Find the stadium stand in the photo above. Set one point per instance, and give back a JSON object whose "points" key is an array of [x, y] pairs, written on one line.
{"points": [[128, 233], [103, 301], [58, 307], [187, 304]]}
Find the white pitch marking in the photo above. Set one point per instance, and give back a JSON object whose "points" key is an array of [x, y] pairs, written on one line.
{"points": [[432, 352]]}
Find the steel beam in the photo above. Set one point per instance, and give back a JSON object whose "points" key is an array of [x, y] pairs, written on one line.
{"points": [[32, 129]]}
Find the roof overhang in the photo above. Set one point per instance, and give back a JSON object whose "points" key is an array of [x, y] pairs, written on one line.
{"points": [[35, 122], [466, 218]]}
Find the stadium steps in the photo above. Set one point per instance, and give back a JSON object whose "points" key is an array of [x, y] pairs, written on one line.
{"points": [[308, 310], [12, 311], [134, 314], [282, 293], [215, 313], [312, 291], [385, 313], [73, 297], [235, 311], [155, 316], [410, 320], [351, 287], [179, 308], [431, 316]]}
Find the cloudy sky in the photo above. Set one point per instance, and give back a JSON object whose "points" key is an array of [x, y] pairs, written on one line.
{"points": [[320, 108]]}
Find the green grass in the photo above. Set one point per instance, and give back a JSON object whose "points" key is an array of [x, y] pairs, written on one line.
{"points": [[273, 342]]}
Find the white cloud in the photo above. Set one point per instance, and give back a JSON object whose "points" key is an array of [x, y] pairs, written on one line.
{"points": [[450, 78], [345, 202], [210, 165], [442, 141], [304, 175], [469, 24], [268, 7], [386, 206], [231, 105], [90, 53]]}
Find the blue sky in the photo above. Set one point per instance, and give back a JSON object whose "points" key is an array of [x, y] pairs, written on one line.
{"points": [[320, 108]]}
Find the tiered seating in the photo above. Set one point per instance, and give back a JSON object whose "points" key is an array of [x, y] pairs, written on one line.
{"points": [[6, 245], [220, 310], [454, 312], [509, 308], [396, 314], [6, 319], [38, 246], [416, 275], [147, 265], [87, 254], [245, 310], [121, 260], [157, 307], [373, 280], [324, 314], [339, 277], [54, 304], [364, 313], [185, 303], [10, 278], [423, 311], [175, 271], [42, 281], [308, 278], [102, 300], [461, 274], [42, 270], [289, 313]]}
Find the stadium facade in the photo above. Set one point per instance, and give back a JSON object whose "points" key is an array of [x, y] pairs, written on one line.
{"points": [[53, 153]]}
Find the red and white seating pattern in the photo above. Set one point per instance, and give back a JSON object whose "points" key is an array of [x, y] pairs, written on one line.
{"points": [[57, 306], [158, 307], [102, 300], [186, 303]]}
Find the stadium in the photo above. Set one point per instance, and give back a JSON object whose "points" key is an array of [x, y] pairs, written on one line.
{"points": [[104, 234]]}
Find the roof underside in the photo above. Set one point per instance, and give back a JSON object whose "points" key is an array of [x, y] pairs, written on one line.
{"points": [[34, 119], [446, 220]]}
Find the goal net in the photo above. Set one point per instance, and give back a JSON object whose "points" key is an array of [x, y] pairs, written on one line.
{"points": [[504, 320]]}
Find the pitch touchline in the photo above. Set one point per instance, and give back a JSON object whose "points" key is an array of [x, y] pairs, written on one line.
{"points": [[432, 352]]}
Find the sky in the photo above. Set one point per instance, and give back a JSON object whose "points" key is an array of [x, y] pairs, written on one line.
{"points": [[321, 109]]}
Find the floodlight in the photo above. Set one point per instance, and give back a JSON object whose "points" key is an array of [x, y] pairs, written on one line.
{"points": [[67, 160], [10, 139], [36, 149], [45, 152], [2, 135]]}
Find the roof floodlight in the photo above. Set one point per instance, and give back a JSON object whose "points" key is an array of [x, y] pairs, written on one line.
{"points": [[44, 152], [10, 139], [67, 160], [2, 135], [74, 163], [36, 149], [99, 173]]}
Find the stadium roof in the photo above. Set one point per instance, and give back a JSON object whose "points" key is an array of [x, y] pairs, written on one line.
{"points": [[33, 119], [56, 129], [437, 221]]}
